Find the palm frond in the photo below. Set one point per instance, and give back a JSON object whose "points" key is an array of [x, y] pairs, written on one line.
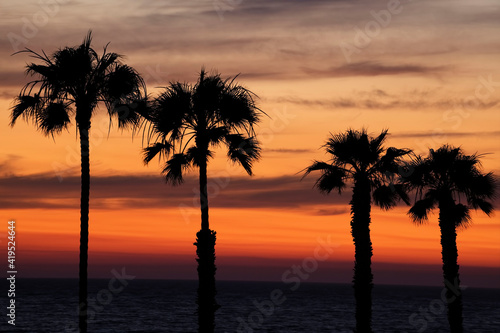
{"points": [[384, 197], [402, 192], [121, 82], [53, 118], [388, 196], [316, 166], [242, 150], [171, 111], [332, 177], [461, 215], [161, 148], [44, 71], [376, 143], [237, 108], [175, 167], [484, 205], [199, 155], [478, 185], [126, 115], [391, 161], [216, 135], [25, 106], [419, 211], [107, 61], [416, 174], [207, 93]]}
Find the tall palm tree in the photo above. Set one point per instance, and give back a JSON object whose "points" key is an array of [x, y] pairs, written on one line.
{"points": [[452, 182], [186, 122], [73, 81], [358, 157]]}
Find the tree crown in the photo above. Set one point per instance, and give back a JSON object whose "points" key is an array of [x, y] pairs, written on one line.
{"points": [[355, 155], [72, 81], [186, 121], [447, 176]]}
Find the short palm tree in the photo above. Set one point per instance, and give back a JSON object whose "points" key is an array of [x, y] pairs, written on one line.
{"points": [[186, 123], [72, 82], [452, 182], [358, 157]]}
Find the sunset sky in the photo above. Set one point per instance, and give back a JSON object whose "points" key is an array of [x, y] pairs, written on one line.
{"points": [[428, 71]]}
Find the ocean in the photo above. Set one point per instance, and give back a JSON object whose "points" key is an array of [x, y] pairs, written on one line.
{"points": [[50, 306]]}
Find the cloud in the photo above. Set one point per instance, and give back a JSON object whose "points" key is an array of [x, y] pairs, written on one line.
{"points": [[266, 40], [288, 151], [365, 68], [371, 68], [445, 134], [10, 78], [147, 191], [150, 192], [334, 211], [8, 94], [381, 100], [7, 167]]}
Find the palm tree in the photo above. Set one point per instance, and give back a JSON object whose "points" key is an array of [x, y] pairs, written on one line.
{"points": [[186, 122], [358, 157], [452, 182], [73, 81]]}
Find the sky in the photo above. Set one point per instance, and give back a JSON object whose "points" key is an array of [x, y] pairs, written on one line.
{"points": [[428, 71]]}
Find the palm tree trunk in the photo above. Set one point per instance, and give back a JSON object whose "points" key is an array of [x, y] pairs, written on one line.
{"points": [[84, 227], [204, 196], [205, 249], [450, 266], [360, 229]]}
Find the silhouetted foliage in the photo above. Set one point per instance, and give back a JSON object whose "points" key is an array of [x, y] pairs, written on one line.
{"points": [[358, 157], [71, 83], [453, 183], [186, 122]]}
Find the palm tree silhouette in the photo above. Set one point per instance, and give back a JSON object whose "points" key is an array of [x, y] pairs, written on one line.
{"points": [[73, 81], [186, 121], [452, 182], [359, 157]]}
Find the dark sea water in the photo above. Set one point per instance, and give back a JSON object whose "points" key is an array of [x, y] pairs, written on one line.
{"points": [[50, 305]]}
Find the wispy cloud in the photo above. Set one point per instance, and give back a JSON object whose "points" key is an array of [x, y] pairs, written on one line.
{"points": [[288, 151], [381, 100], [125, 192], [7, 167], [148, 191], [371, 68], [333, 211], [448, 134]]}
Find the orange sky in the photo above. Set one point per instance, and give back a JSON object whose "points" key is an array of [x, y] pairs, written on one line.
{"points": [[424, 76]]}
